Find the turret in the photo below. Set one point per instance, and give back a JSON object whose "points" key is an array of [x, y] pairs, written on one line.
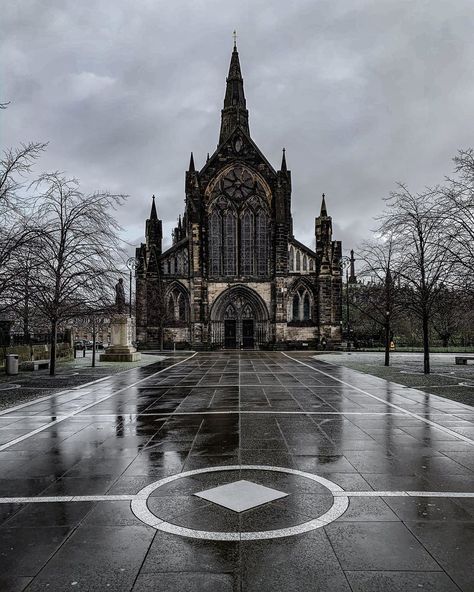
{"points": [[153, 229], [352, 274], [323, 229]]}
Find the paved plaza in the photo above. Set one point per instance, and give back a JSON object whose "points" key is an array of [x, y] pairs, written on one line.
{"points": [[237, 471]]}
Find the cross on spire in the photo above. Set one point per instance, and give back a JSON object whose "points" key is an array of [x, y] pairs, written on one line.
{"points": [[234, 35]]}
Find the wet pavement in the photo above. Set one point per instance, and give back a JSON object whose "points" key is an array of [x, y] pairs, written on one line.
{"points": [[98, 484]]}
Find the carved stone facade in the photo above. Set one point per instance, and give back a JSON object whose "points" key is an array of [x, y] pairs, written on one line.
{"points": [[235, 276]]}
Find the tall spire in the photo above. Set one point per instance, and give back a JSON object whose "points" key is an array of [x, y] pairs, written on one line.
{"points": [[191, 164], [235, 111], [324, 211], [283, 162], [153, 214]]}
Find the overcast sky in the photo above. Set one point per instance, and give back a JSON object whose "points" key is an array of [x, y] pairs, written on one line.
{"points": [[361, 93]]}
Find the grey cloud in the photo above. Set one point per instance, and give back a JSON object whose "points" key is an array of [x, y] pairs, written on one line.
{"points": [[361, 94]]}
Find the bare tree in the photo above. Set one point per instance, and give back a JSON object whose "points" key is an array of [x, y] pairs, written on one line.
{"points": [[77, 247], [377, 297], [424, 252], [457, 208], [16, 228], [16, 164]]}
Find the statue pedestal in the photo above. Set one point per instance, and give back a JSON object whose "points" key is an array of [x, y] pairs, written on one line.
{"points": [[122, 330]]}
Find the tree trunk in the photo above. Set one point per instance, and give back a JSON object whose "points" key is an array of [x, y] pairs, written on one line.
{"points": [[387, 343], [52, 358], [426, 342]]}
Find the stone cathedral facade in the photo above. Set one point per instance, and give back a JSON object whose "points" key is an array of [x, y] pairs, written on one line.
{"points": [[235, 275]]}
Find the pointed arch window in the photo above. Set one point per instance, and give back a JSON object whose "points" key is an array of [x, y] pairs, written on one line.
{"points": [[185, 262], [291, 259], [296, 308], [177, 306], [170, 308], [298, 261], [247, 312], [230, 243], [306, 308], [215, 243], [300, 306], [262, 250], [230, 313], [305, 263], [181, 307], [247, 244]]}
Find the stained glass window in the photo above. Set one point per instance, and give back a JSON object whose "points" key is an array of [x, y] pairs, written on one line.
{"points": [[230, 244], [247, 244], [262, 238], [215, 244]]}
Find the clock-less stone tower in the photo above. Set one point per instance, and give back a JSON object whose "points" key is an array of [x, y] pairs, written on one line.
{"points": [[235, 275]]}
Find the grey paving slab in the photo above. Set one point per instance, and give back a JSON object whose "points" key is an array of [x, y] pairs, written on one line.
{"points": [[97, 558], [185, 582], [376, 581], [14, 583], [215, 415], [378, 546]]}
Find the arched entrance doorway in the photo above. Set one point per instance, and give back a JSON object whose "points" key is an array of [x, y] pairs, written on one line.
{"points": [[239, 319]]}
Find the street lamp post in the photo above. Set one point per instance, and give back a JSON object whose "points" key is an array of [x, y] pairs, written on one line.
{"points": [[131, 264], [345, 263]]}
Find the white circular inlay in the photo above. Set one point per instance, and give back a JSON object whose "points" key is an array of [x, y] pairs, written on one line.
{"points": [[140, 509]]}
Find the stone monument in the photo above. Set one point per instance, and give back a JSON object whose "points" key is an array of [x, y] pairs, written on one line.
{"points": [[122, 332]]}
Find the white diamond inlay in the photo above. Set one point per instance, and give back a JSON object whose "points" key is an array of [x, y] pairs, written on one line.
{"points": [[241, 495]]}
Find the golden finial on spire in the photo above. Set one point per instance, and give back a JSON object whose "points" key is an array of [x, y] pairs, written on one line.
{"points": [[234, 35]]}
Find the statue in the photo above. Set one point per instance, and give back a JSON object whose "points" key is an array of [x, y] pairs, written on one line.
{"points": [[120, 297]]}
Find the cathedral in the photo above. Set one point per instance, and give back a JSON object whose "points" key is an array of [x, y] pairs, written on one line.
{"points": [[235, 275]]}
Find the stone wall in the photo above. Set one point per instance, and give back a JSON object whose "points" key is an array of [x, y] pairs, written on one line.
{"points": [[27, 353]]}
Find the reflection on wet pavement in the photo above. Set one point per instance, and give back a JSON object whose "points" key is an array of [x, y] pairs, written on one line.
{"points": [[215, 411]]}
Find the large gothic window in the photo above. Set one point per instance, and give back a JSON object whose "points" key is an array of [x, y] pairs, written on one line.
{"points": [[247, 244], [215, 243], [262, 239], [239, 225], [230, 243]]}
